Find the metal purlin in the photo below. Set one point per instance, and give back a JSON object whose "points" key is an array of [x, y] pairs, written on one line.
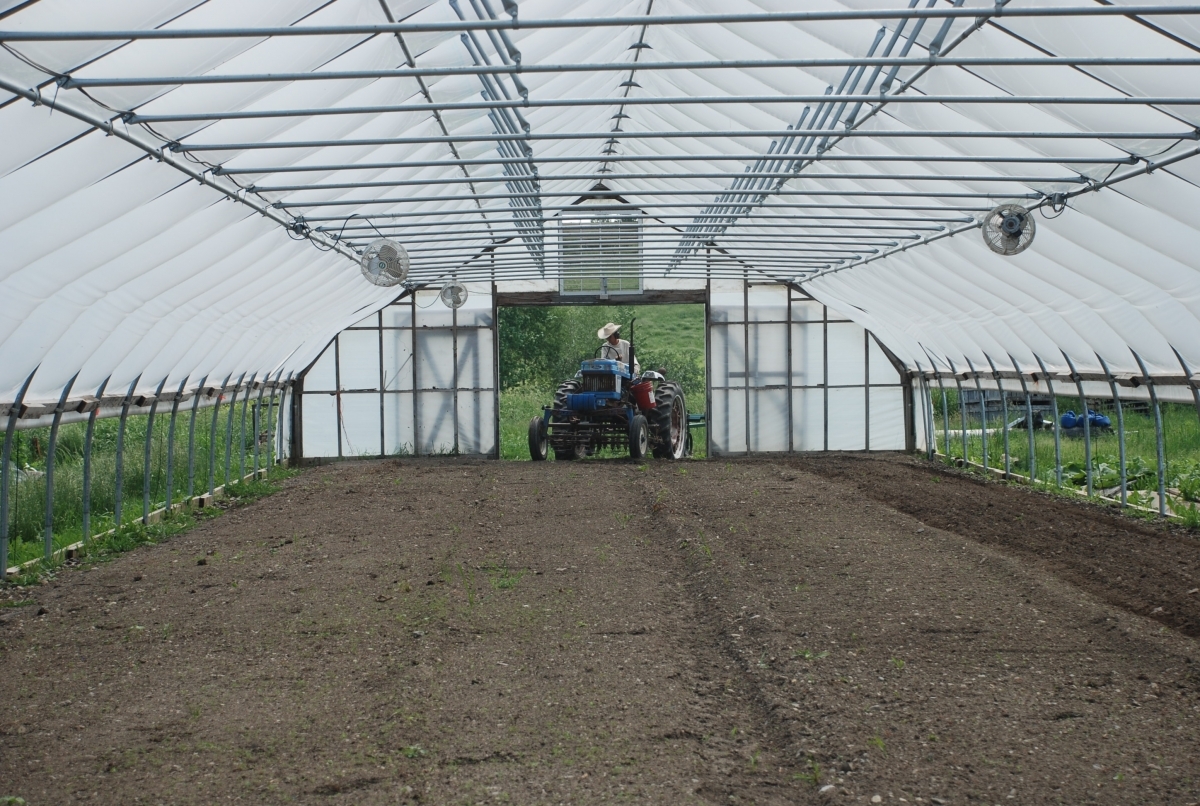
{"points": [[610, 145], [525, 187], [434, 109], [753, 188]]}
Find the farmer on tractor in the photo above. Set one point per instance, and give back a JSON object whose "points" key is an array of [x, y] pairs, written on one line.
{"points": [[615, 347]]}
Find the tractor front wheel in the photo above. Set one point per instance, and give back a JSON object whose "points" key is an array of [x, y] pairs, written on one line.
{"points": [[639, 437], [538, 442], [670, 421]]}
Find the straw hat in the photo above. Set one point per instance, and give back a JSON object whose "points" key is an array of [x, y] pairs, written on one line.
{"points": [[606, 331]]}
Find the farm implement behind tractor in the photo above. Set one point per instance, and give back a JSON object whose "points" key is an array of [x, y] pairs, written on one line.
{"points": [[607, 406]]}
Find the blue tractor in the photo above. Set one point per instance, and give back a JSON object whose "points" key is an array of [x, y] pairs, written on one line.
{"points": [[606, 406]]}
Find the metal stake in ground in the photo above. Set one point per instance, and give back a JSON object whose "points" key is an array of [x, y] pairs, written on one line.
{"points": [[192, 439], [1112, 385], [14, 412], [1087, 426], [1158, 436], [229, 425], [257, 407], [962, 410], [149, 452], [48, 523], [87, 464], [171, 445], [1028, 421], [242, 435], [983, 435], [212, 438], [120, 475], [1003, 414], [1054, 413]]}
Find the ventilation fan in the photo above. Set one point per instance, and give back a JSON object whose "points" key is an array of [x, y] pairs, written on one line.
{"points": [[1008, 229], [384, 262], [453, 294]]}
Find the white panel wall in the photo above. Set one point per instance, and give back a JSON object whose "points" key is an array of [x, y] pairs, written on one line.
{"points": [[417, 378], [788, 374]]}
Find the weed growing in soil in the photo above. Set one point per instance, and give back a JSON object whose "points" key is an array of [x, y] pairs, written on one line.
{"points": [[502, 578], [899, 664], [808, 654], [877, 742], [813, 776]]}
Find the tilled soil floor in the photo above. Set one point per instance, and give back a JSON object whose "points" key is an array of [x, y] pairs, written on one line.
{"points": [[839, 629]]}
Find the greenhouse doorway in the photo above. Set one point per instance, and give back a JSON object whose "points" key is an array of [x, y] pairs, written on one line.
{"points": [[543, 336]]}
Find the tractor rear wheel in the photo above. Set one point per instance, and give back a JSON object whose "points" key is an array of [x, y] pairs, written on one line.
{"points": [[575, 450], [537, 439], [639, 437], [670, 420]]}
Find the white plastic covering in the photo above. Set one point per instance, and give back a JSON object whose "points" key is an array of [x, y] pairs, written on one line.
{"points": [[114, 265]]}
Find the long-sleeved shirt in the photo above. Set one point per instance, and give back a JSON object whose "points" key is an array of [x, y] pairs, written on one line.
{"points": [[620, 352]]}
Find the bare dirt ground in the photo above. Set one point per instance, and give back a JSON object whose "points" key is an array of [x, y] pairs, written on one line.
{"points": [[826, 630]]}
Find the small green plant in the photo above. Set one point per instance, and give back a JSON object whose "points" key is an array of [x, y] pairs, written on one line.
{"points": [[414, 751], [877, 742], [623, 518], [502, 578], [899, 664], [754, 759], [813, 776], [11, 800], [808, 654]]}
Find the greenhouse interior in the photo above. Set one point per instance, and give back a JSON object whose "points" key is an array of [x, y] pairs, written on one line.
{"points": [[915, 287]]}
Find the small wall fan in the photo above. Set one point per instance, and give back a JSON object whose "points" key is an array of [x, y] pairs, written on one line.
{"points": [[453, 294], [1008, 229], [384, 262]]}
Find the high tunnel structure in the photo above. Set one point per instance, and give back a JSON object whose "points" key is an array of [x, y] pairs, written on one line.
{"points": [[187, 189]]}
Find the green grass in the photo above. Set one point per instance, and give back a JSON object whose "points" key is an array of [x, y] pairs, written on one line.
{"points": [[28, 490], [1181, 440], [133, 534]]}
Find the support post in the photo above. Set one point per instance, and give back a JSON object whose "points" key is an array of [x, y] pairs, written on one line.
{"points": [[149, 453], [1158, 437], [14, 414], [1187, 371], [171, 445], [192, 439], [87, 464], [48, 521], [1087, 424], [120, 480], [1057, 429], [1112, 385]]}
